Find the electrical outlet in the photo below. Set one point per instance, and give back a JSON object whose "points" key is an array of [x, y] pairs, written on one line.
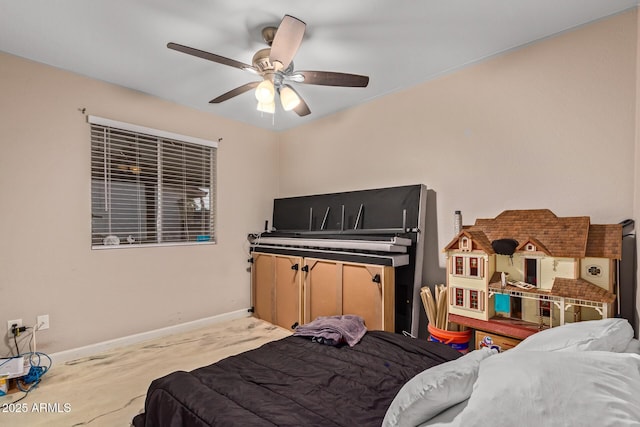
{"points": [[42, 322], [10, 323]]}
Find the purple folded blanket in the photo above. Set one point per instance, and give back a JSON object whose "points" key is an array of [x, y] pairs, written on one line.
{"points": [[334, 329]]}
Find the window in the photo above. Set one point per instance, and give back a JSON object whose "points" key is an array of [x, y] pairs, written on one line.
{"points": [[150, 187], [468, 266], [460, 297], [594, 270], [464, 243], [473, 300], [473, 267]]}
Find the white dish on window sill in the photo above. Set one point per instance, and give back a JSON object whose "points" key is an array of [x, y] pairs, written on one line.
{"points": [[111, 240]]}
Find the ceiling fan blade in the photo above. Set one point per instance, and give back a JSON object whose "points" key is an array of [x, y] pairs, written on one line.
{"points": [[210, 56], [330, 78], [287, 40], [234, 92]]}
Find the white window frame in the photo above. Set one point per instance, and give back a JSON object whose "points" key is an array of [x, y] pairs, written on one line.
{"points": [[165, 143]]}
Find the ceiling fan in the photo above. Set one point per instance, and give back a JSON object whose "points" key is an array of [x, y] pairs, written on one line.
{"points": [[275, 65]]}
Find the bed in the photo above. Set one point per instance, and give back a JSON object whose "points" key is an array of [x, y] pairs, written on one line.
{"points": [[569, 375], [294, 382]]}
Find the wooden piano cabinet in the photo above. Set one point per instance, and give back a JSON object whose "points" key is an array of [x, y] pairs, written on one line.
{"points": [[290, 289]]}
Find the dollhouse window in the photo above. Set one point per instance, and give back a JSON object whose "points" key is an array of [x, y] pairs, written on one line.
{"points": [[459, 265], [473, 267], [459, 297], [530, 247], [594, 271], [464, 243], [473, 300]]}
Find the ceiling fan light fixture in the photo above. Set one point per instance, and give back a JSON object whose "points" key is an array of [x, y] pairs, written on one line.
{"points": [[265, 92], [267, 107], [289, 98]]}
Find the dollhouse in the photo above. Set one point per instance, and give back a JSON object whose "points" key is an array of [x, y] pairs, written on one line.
{"points": [[533, 268]]}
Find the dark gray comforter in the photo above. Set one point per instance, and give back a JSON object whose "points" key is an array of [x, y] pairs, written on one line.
{"points": [[294, 382]]}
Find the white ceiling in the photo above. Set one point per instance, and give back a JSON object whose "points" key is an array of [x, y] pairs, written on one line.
{"points": [[398, 43]]}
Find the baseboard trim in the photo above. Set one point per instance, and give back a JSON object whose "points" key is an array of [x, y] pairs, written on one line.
{"points": [[92, 349]]}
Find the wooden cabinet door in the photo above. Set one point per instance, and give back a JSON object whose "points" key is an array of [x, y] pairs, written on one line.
{"points": [[288, 291], [368, 291], [322, 288], [263, 286], [276, 284]]}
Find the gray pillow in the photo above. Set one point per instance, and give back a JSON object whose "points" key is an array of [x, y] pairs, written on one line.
{"points": [[590, 335], [435, 389]]}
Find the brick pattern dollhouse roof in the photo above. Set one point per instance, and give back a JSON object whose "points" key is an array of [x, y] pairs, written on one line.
{"points": [[581, 289], [571, 237], [478, 238], [562, 237], [605, 241], [539, 246]]}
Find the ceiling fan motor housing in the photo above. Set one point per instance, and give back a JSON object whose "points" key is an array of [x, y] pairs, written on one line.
{"points": [[268, 34], [261, 60]]}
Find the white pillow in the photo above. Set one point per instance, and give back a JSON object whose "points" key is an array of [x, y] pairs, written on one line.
{"points": [[435, 389], [534, 388], [633, 347], [605, 335]]}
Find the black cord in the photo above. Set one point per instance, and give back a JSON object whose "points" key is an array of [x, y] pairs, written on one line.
{"points": [[15, 341], [25, 395], [16, 332]]}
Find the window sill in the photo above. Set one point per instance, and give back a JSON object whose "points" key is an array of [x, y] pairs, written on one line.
{"points": [[151, 245]]}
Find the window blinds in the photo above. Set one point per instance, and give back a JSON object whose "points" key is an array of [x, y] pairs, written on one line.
{"points": [[150, 187]]}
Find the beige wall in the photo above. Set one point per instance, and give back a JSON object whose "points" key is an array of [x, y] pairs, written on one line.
{"points": [[46, 262], [551, 125]]}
